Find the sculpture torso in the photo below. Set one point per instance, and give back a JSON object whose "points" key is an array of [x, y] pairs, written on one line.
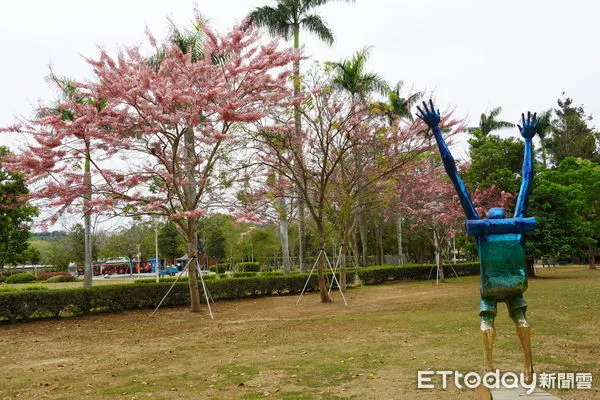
{"points": [[503, 265]]}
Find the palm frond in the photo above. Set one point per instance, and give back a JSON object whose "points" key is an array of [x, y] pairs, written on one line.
{"points": [[315, 25]]}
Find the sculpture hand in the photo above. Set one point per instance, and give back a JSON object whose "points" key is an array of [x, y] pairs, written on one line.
{"points": [[529, 126], [430, 116]]}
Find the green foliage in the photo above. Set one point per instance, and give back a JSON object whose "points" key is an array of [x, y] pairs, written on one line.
{"points": [[244, 274], [15, 215], [271, 273], [113, 298], [213, 234], [248, 267], [566, 204], [495, 161], [61, 278], [58, 254], [571, 135], [171, 243], [76, 244], [219, 268], [34, 288], [31, 256], [125, 242], [20, 278], [46, 275]]}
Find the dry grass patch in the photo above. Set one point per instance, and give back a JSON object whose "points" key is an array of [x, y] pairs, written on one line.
{"points": [[271, 348]]}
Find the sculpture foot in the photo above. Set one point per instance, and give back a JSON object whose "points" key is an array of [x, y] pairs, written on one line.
{"points": [[524, 333]]}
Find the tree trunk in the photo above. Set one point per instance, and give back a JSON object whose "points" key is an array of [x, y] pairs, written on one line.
{"points": [[399, 233], [592, 256], [88, 271], [362, 229], [323, 289], [531, 268], [379, 244], [285, 248], [192, 271], [343, 269], [438, 258], [192, 225], [298, 129]]}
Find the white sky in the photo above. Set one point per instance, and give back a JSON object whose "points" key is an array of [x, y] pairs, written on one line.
{"points": [[474, 54]]}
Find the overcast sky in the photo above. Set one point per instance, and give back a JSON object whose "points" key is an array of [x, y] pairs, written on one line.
{"points": [[475, 54]]}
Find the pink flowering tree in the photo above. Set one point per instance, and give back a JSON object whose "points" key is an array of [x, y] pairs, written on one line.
{"points": [[365, 179], [65, 157], [344, 147], [430, 203], [181, 115]]}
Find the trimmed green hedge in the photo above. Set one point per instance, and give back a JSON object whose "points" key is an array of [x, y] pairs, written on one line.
{"points": [[251, 266], [21, 278], [219, 268], [23, 304]]}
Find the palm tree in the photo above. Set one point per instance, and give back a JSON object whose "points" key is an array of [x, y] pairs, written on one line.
{"points": [[285, 20], [398, 106], [352, 77], [488, 123]]}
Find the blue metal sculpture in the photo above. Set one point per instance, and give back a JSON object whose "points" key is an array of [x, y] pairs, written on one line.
{"points": [[500, 242]]}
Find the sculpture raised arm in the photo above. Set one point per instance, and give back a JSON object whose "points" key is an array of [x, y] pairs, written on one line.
{"points": [[432, 118], [527, 131]]}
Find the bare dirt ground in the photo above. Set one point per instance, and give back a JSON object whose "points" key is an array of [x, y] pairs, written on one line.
{"points": [[271, 348]]}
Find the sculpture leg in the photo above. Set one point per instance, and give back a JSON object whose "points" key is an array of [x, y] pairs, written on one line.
{"points": [[488, 333], [488, 314], [524, 334]]}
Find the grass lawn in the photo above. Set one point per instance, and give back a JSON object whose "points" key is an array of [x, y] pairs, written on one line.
{"points": [[271, 348]]}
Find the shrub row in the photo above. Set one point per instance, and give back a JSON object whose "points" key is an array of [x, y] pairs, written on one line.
{"points": [[20, 278], [46, 275], [112, 298], [219, 268], [25, 277], [251, 266]]}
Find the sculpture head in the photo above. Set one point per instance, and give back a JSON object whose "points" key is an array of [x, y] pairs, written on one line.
{"points": [[496, 213]]}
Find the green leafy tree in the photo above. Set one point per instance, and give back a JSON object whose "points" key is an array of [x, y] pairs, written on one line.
{"points": [[571, 135], [495, 161], [171, 243], [75, 244], [585, 174], [559, 231], [31, 256], [127, 241], [15, 216], [212, 233], [57, 255]]}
